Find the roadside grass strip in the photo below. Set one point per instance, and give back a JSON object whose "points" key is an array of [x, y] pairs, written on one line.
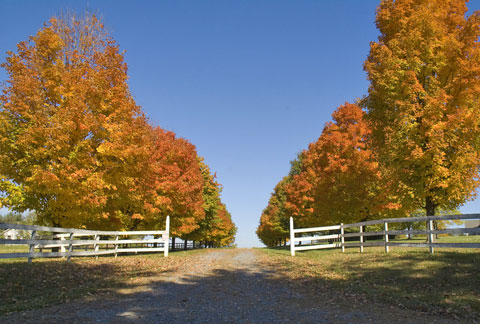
{"points": [[47, 282], [447, 282]]}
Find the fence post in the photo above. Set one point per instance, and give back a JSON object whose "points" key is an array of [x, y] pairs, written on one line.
{"points": [[31, 246], [341, 237], [62, 247], [292, 238], [95, 246], [361, 239], [166, 237], [430, 235], [116, 246], [385, 228], [70, 247]]}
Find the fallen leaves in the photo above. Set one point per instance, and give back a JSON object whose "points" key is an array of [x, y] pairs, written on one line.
{"points": [[47, 282]]}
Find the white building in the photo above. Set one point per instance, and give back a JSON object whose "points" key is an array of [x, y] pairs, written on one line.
{"points": [[11, 234]]}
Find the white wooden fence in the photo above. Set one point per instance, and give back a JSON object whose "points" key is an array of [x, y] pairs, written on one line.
{"points": [[71, 242], [337, 240]]}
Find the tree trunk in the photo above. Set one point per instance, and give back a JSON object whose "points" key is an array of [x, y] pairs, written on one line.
{"points": [[173, 243], [185, 244], [430, 206]]}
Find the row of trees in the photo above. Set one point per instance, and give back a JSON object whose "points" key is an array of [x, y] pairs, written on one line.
{"points": [[77, 149], [412, 143]]}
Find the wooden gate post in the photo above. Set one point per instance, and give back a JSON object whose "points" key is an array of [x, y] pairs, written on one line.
{"points": [[361, 239], [62, 246], [95, 246], [430, 235], [70, 247], [116, 246], [385, 228], [342, 238], [292, 238], [31, 246], [165, 237]]}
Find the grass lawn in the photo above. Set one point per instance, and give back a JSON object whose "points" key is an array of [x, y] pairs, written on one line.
{"points": [[13, 248], [444, 239], [447, 282], [57, 281]]}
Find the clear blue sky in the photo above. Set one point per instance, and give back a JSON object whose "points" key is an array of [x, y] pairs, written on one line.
{"points": [[250, 83]]}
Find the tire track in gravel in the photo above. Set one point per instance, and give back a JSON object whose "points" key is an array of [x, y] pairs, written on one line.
{"points": [[217, 286]]}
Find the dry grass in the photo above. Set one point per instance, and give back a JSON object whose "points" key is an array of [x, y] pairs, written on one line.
{"points": [[447, 282], [47, 282]]}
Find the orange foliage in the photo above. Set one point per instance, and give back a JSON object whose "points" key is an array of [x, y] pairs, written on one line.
{"points": [[217, 228], [173, 183], [76, 148], [339, 180]]}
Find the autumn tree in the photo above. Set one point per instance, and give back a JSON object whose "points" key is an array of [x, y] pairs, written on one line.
{"points": [[274, 221], [69, 128], [172, 185], [217, 227], [18, 218], [224, 230], [340, 180], [424, 100]]}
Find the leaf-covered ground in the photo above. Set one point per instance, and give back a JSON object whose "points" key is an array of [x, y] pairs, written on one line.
{"points": [[446, 283], [48, 282], [239, 286]]}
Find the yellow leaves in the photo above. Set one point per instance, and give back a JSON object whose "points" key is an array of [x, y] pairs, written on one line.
{"points": [[418, 98], [162, 201], [60, 154], [104, 148]]}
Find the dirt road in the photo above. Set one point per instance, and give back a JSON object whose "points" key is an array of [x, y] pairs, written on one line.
{"points": [[219, 286]]}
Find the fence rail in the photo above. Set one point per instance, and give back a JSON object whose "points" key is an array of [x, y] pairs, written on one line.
{"points": [[102, 243], [337, 240]]}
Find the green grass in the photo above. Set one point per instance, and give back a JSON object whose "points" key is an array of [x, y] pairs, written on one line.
{"points": [[13, 248], [47, 282], [447, 282], [444, 239]]}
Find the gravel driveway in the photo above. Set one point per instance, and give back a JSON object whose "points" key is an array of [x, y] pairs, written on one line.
{"points": [[219, 286]]}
